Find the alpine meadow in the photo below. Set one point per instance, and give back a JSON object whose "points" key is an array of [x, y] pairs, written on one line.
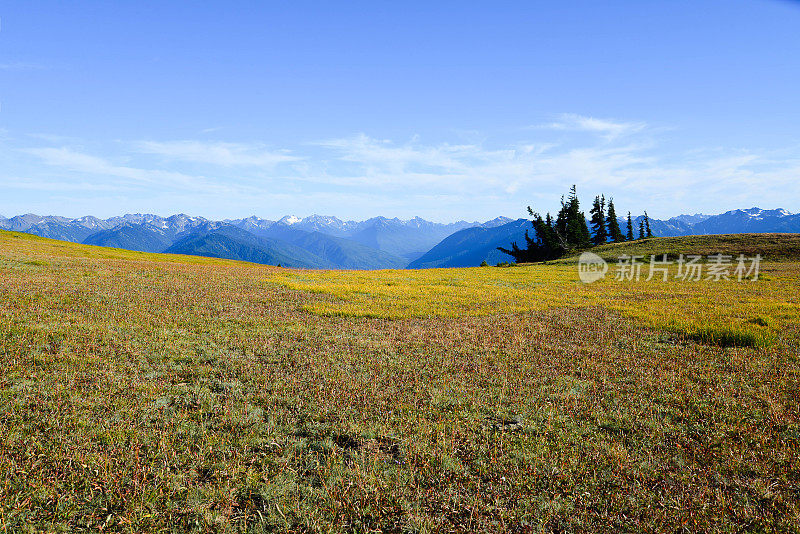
{"points": [[420, 267], [150, 392]]}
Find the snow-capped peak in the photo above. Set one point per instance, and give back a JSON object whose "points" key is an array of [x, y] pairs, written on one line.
{"points": [[497, 221], [320, 218], [89, 221], [758, 213], [290, 219]]}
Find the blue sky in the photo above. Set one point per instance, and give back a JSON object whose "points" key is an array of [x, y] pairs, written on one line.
{"points": [[446, 110]]}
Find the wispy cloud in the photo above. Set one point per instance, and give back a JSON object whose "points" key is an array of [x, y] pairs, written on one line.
{"points": [[50, 186], [67, 159], [630, 167], [475, 167], [217, 153], [470, 180], [374, 158], [22, 65], [611, 129]]}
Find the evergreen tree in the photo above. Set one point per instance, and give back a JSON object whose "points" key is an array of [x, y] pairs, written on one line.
{"points": [[647, 225], [613, 224], [599, 221], [568, 231], [571, 223], [542, 247], [629, 237], [553, 243], [553, 238]]}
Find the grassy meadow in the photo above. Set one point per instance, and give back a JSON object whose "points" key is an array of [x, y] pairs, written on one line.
{"points": [[157, 393]]}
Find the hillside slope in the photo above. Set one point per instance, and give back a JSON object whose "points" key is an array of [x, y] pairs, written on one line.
{"points": [[409, 240], [470, 246], [144, 238], [339, 252], [775, 247], [233, 243]]}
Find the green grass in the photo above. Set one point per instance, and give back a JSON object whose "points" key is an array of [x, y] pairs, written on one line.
{"points": [[729, 337], [154, 393]]}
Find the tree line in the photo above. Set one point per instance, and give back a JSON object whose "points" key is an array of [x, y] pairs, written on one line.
{"points": [[568, 232]]}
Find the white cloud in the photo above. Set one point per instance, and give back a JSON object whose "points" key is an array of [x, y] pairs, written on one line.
{"points": [[67, 159], [609, 129], [218, 153], [383, 162], [21, 65], [52, 185], [472, 180], [635, 171], [72, 160]]}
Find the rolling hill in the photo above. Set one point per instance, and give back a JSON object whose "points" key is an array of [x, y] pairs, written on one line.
{"points": [[470, 246], [234, 243], [772, 247], [141, 237]]}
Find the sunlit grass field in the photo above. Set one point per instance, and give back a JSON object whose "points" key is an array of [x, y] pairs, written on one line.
{"points": [[757, 310], [144, 392]]}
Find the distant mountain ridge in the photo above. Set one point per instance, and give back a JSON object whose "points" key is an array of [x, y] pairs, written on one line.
{"points": [[320, 241], [316, 241], [741, 221], [471, 246], [230, 242], [144, 237]]}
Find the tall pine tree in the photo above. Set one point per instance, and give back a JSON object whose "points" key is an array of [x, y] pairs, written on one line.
{"points": [[629, 237], [571, 222], [613, 224], [649, 233], [641, 229], [599, 221]]}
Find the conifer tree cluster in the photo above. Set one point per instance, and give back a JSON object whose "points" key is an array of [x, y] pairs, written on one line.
{"points": [[569, 232]]}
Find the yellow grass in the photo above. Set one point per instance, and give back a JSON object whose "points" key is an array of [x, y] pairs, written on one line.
{"points": [[156, 393], [680, 306]]}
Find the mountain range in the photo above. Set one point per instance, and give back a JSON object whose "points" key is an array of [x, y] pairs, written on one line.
{"points": [[311, 242], [470, 246], [327, 242]]}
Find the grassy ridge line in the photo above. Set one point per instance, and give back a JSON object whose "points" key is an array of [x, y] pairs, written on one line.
{"points": [[27, 243], [772, 247]]}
